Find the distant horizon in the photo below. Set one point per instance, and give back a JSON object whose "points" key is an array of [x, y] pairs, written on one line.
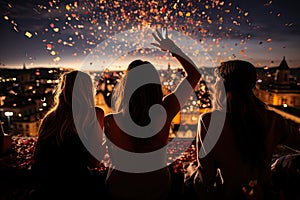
{"points": [[119, 69], [160, 61]]}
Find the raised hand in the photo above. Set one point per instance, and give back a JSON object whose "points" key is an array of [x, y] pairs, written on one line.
{"points": [[165, 44]]}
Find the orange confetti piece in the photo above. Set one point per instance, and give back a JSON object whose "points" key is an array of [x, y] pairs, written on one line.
{"points": [[209, 20], [180, 13], [188, 14], [68, 7], [49, 46], [6, 17], [269, 40], [94, 21]]}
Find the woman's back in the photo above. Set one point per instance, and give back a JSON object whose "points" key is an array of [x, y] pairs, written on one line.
{"points": [[240, 177], [126, 185], [61, 171]]}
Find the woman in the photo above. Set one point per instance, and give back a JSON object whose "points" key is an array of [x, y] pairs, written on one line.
{"points": [[247, 141], [132, 177], [61, 159]]}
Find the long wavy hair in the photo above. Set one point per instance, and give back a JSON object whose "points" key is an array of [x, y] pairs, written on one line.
{"points": [[142, 99], [73, 111], [239, 78]]}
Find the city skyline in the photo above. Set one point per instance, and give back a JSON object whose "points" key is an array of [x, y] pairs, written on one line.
{"points": [[62, 34]]}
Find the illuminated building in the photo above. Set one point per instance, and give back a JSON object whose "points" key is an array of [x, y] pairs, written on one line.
{"points": [[278, 87]]}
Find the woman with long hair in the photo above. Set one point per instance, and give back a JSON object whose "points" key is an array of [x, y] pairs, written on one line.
{"points": [[242, 154], [140, 126], [61, 157]]}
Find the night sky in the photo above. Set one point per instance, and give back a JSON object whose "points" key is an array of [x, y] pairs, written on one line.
{"points": [[108, 34]]}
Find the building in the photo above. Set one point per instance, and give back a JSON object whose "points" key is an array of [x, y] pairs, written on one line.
{"points": [[25, 96], [277, 87]]}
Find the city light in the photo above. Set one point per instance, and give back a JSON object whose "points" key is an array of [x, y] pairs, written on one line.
{"points": [[8, 113]]}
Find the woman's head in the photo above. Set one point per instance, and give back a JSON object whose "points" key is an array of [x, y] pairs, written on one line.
{"points": [[139, 101], [74, 87], [237, 75], [235, 81], [73, 108]]}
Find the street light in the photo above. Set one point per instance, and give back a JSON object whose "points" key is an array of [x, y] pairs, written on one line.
{"points": [[8, 114]]}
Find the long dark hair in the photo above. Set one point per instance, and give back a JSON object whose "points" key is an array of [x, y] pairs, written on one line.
{"points": [[142, 99], [239, 78], [75, 90]]}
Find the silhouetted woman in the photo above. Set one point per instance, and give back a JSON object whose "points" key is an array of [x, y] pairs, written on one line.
{"points": [[244, 150], [62, 161], [136, 129]]}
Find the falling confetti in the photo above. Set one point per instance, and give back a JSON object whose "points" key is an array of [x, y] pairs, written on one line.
{"points": [[49, 46], [68, 7], [81, 25], [28, 34], [57, 59]]}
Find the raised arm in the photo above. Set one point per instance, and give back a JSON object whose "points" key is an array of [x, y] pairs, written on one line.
{"points": [[174, 101]]}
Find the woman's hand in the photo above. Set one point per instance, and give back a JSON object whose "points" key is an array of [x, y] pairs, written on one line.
{"points": [[165, 44]]}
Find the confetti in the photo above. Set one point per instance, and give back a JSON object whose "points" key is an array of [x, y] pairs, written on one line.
{"points": [[49, 46], [68, 7], [57, 59], [56, 30], [84, 24], [28, 34]]}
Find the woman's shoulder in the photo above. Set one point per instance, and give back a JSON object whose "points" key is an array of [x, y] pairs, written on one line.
{"points": [[268, 114], [212, 114], [110, 121], [111, 116], [99, 111]]}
